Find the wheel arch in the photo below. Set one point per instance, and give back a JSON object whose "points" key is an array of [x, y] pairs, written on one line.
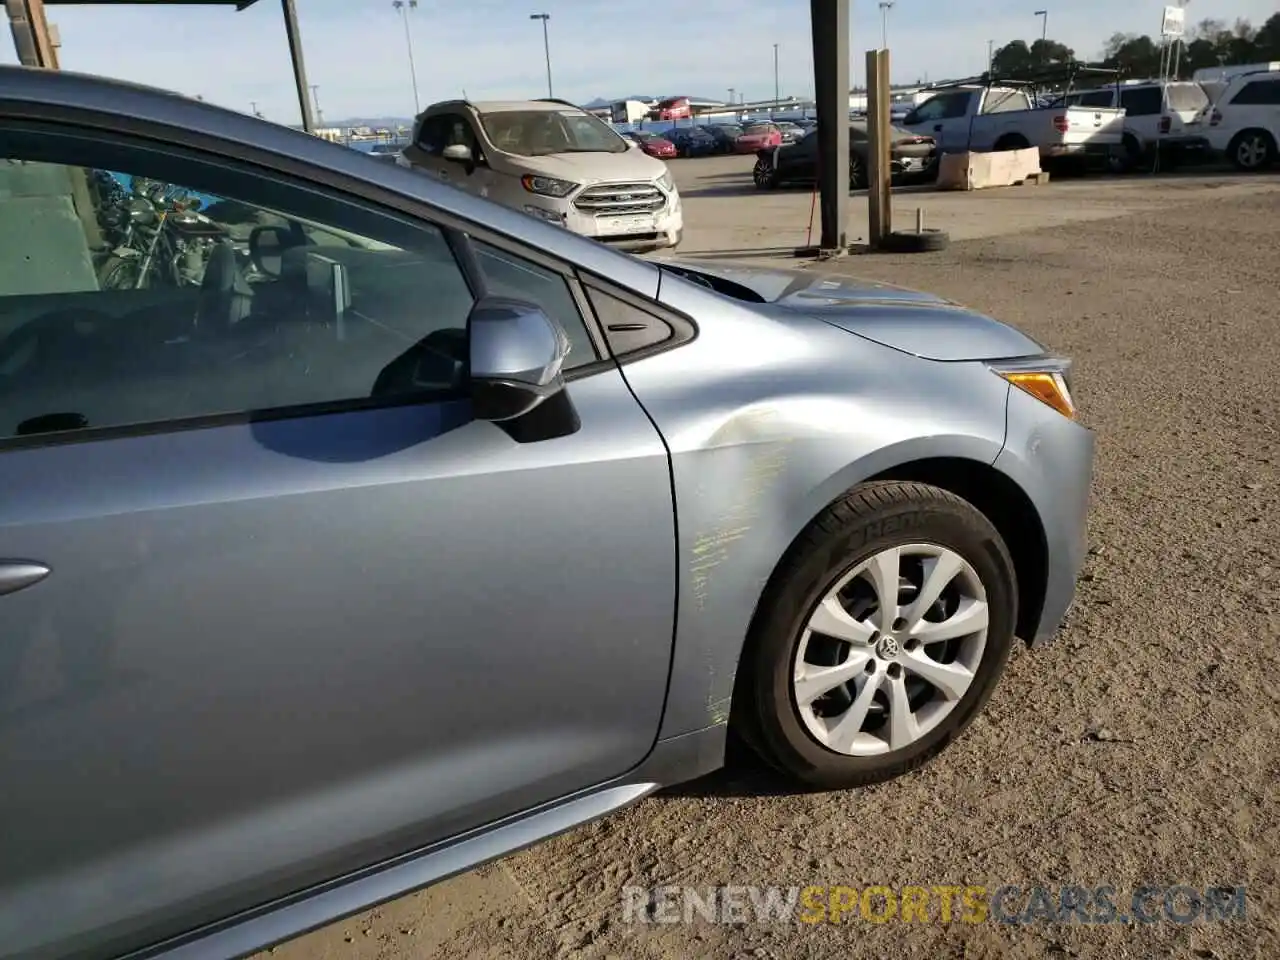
{"points": [[992, 493]]}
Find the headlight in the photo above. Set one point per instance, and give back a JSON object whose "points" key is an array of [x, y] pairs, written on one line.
{"points": [[548, 186], [666, 183], [1046, 379]]}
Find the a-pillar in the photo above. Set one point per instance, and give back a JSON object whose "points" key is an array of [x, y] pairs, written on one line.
{"points": [[830, 23]]}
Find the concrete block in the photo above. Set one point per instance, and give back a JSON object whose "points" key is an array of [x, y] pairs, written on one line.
{"points": [[981, 171]]}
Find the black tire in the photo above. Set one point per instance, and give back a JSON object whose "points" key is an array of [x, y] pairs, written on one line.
{"points": [[1259, 143], [865, 521], [1130, 156], [1013, 141], [765, 175], [119, 273], [908, 241], [858, 179]]}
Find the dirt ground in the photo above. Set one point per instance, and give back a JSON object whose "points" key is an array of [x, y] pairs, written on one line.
{"points": [[1143, 746]]}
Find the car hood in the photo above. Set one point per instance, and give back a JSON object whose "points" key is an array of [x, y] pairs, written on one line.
{"points": [[589, 168], [920, 324]]}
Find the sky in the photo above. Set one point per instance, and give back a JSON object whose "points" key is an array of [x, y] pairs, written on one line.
{"points": [[356, 52]]}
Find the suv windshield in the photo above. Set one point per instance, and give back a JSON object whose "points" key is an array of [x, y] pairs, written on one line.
{"points": [[539, 133]]}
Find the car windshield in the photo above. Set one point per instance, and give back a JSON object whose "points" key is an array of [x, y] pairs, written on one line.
{"points": [[540, 133]]}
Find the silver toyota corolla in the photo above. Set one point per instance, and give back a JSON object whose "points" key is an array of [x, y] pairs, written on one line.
{"points": [[355, 530]]}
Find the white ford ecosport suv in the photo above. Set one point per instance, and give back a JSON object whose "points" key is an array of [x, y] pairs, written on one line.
{"points": [[553, 161]]}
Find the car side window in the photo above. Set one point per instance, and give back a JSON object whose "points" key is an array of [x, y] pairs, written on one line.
{"points": [[1259, 93], [507, 275], [1144, 102], [433, 135], [943, 107], [1004, 101], [1096, 98], [151, 289]]}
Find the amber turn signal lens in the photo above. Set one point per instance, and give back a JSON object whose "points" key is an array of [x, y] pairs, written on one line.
{"points": [[1046, 386]]}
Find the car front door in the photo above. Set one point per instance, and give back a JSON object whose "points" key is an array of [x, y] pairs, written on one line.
{"points": [[945, 117], [275, 606]]}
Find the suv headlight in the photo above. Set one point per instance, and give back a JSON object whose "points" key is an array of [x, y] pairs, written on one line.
{"points": [[1047, 379], [548, 186], [667, 183]]}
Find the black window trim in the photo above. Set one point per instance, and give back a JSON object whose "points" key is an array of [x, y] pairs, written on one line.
{"points": [[683, 328], [457, 234]]}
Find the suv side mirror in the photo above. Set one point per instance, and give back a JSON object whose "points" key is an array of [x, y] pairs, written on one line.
{"points": [[516, 357], [458, 152]]}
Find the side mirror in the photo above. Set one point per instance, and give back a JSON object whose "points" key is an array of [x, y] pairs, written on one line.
{"points": [[458, 152], [516, 356]]}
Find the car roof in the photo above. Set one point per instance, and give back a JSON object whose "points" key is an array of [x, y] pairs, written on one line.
{"points": [[503, 106], [32, 94]]}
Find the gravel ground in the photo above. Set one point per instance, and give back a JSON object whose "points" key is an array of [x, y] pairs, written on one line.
{"points": [[1139, 748]]}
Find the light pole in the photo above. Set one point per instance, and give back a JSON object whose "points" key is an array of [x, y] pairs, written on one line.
{"points": [[885, 7], [991, 56], [1044, 25], [404, 6], [315, 99], [776, 88], [546, 45]]}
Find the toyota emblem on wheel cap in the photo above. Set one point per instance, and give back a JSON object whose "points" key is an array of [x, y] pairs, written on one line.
{"points": [[887, 648]]}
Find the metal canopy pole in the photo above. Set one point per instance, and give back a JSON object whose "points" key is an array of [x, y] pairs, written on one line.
{"points": [[299, 67], [829, 22]]}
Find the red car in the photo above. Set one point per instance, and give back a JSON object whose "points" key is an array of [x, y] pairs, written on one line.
{"points": [[675, 108], [757, 137], [653, 145]]}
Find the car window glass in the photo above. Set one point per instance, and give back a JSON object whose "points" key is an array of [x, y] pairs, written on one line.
{"points": [[944, 107], [1259, 93], [1004, 101], [1189, 97], [161, 290], [1142, 102], [1097, 98], [507, 275]]}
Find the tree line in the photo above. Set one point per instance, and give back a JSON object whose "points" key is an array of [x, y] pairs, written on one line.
{"points": [[1211, 43]]}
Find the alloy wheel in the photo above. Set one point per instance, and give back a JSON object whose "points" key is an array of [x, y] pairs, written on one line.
{"points": [[890, 650], [1253, 151]]}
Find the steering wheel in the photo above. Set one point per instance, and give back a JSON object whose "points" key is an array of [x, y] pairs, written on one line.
{"points": [[226, 297], [58, 331]]}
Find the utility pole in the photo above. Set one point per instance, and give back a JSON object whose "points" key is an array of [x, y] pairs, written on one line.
{"points": [[885, 7], [776, 88], [315, 99], [991, 56], [546, 45], [1044, 25], [404, 6]]}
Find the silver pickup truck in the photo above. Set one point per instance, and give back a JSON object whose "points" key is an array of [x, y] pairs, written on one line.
{"points": [[982, 118]]}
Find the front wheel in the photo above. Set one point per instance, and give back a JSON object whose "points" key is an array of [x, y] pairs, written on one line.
{"points": [[1252, 150], [858, 179], [880, 639], [765, 175]]}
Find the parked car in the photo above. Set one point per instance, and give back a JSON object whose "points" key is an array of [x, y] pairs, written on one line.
{"points": [[1243, 124], [790, 132], [386, 151], [757, 137], [981, 118], [552, 161], [311, 575], [725, 135], [911, 155], [673, 108], [652, 144], [1156, 115], [692, 141]]}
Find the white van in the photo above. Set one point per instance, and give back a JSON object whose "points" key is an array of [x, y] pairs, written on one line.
{"points": [[1156, 118], [553, 161], [1244, 122]]}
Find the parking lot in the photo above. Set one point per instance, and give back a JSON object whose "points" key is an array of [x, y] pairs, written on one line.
{"points": [[1139, 748]]}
